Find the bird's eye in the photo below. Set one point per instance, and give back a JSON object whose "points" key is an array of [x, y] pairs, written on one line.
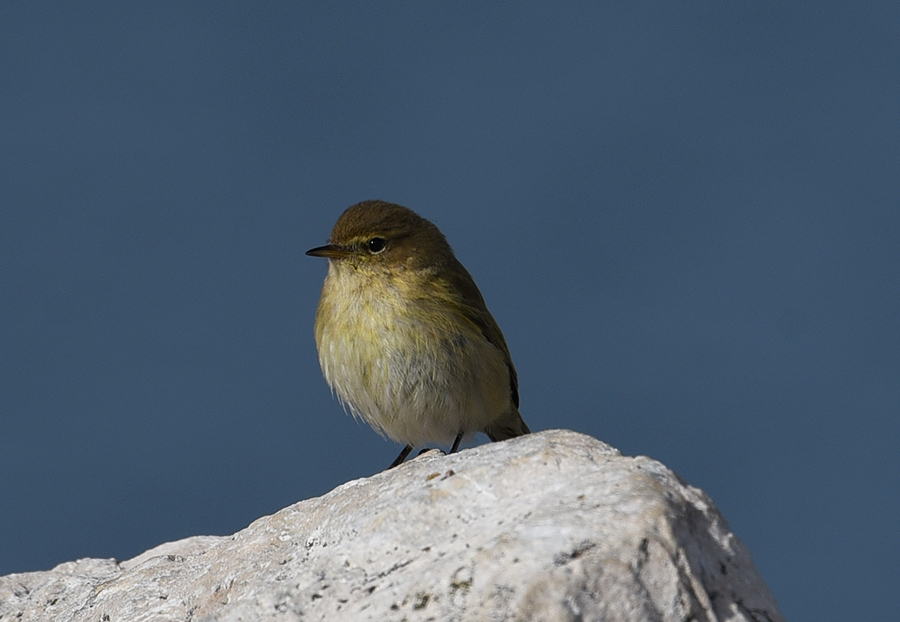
{"points": [[376, 245]]}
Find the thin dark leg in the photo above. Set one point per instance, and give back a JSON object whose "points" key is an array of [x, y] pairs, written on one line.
{"points": [[402, 456], [456, 442]]}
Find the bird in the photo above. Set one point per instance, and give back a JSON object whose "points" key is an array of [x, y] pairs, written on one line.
{"points": [[404, 337]]}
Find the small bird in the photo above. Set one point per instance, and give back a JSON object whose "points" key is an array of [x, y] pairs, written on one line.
{"points": [[404, 336]]}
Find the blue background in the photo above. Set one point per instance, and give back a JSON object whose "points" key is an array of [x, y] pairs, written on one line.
{"points": [[684, 217]]}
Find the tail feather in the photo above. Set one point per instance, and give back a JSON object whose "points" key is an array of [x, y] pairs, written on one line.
{"points": [[509, 425]]}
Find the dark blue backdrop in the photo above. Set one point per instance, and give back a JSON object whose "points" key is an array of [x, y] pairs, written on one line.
{"points": [[685, 218]]}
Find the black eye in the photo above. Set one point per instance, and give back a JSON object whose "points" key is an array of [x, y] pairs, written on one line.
{"points": [[376, 245]]}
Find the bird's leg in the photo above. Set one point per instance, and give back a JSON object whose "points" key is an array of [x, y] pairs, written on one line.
{"points": [[402, 456], [409, 448], [456, 442]]}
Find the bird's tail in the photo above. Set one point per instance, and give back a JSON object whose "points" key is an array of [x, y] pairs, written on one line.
{"points": [[509, 425]]}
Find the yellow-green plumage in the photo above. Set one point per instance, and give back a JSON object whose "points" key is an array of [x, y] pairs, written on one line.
{"points": [[404, 336]]}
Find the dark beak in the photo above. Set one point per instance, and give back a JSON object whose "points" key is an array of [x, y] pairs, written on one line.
{"points": [[331, 251]]}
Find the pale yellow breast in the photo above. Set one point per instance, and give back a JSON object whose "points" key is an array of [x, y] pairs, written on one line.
{"points": [[407, 364]]}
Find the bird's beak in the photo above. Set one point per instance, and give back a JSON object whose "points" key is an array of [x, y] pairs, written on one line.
{"points": [[331, 251]]}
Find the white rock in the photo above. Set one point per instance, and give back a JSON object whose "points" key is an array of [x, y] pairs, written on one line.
{"points": [[550, 526]]}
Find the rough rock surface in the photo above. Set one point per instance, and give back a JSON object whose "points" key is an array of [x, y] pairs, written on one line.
{"points": [[550, 526]]}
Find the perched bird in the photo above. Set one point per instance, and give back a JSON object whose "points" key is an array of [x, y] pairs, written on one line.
{"points": [[404, 336]]}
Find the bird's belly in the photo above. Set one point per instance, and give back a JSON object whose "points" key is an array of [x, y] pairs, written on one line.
{"points": [[414, 381]]}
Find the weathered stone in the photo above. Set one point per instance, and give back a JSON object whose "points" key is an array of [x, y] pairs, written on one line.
{"points": [[549, 526]]}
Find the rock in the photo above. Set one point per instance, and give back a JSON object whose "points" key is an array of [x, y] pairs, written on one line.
{"points": [[554, 526]]}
